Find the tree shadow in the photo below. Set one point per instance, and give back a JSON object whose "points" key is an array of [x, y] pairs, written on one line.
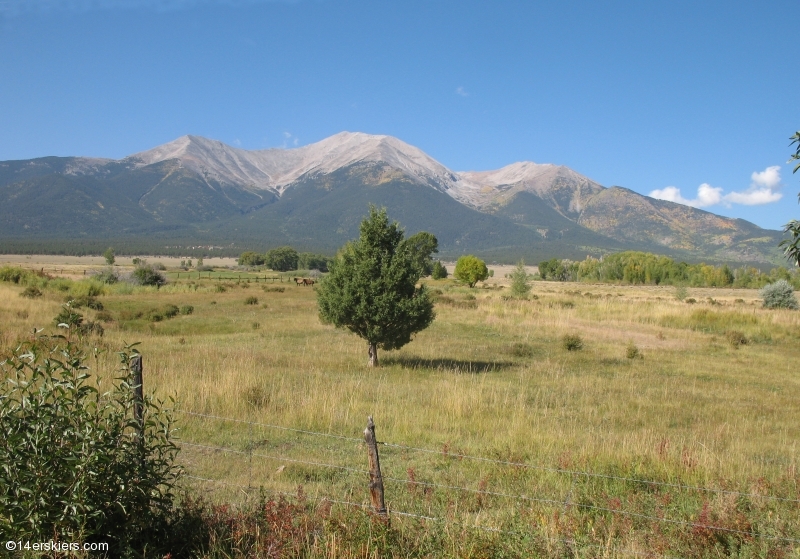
{"points": [[445, 364]]}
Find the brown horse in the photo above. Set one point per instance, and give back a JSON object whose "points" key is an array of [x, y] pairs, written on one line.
{"points": [[308, 281]]}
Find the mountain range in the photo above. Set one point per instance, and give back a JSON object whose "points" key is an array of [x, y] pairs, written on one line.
{"points": [[196, 191]]}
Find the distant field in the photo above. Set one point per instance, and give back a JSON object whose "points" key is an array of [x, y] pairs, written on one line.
{"points": [[704, 395]]}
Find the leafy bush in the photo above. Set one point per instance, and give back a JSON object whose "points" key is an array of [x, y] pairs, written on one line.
{"points": [[187, 309], [68, 316], [681, 293], [572, 342], [85, 301], [736, 338], [31, 292], [74, 466], [632, 352], [170, 311], [204, 268], [251, 258], [691, 300], [147, 275], [438, 271], [108, 276], [105, 316], [220, 288], [273, 289], [251, 301], [779, 295]]}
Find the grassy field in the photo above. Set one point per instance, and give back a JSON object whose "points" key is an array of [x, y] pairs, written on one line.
{"points": [[704, 395]]}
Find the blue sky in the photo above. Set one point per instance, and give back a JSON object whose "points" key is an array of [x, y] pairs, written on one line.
{"points": [[692, 100]]}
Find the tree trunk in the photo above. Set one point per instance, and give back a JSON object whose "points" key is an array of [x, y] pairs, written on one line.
{"points": [[373, 355]]}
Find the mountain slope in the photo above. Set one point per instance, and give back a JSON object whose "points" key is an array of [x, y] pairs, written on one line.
{"points": [[314, 197]]}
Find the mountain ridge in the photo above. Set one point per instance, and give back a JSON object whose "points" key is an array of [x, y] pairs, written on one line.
{"points": [[198, 187]]}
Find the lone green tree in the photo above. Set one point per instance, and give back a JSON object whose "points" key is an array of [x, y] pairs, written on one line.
{"points": [[423, 245], [520, 285], [372, 289], [470, 269], [109, 256], [792, 246]]}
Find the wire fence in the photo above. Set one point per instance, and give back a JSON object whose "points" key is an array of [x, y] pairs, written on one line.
{"points": [[249, 453]]}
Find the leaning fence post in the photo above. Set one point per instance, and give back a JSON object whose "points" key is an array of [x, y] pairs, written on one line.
{"points": [[138, 393], [375, 478]]}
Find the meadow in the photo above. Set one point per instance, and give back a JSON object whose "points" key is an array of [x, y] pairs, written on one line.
{"points": [[664, 429]]}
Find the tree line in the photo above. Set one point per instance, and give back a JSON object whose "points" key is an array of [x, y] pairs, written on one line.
{"points": [[642, 268], [285, 259]]}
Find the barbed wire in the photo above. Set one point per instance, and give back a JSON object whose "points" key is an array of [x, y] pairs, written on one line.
{"points": [[568, 503], [270, 457], [621, 512], [271, 426], [392, 512], [562, 471]]}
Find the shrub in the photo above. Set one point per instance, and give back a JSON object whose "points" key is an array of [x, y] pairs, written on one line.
{"points": [[681, 292], [187, 309], [272, 289], [632, 352], [519, 349], [572, 342], [90, 328], [779, 295], [204, 268], [105, 316], [438, 271], [147, 275], [219, 288], [251, 301], [85, 301], [74, 464], [161, 267], [31, 292], [691, 300], [68, 316], [170, 311], [108, 276], [736, 338]]}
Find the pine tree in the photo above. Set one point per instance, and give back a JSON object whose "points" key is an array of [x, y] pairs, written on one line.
{"points": [[520, 286], [371, 288]]}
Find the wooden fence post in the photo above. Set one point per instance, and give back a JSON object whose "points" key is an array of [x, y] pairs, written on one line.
{"points": [[375, 478]]}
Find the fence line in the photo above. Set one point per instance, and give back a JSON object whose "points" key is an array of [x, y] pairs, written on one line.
{"points": [[620, 512], [279, 458], [562, 471], [442, 520]]}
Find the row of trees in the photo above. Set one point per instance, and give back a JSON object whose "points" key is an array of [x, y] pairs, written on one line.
{"points": [[285, 259], [649, 269]]}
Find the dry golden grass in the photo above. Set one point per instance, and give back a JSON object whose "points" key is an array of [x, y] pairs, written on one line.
{"points": [[493, 380]]}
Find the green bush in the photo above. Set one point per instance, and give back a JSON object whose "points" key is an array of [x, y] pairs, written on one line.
{"points": [[251, 301], [187, 309], [470, 269], [171, 311], [74, 467], [85, 301], [148, 275], [68, 316], [632, 352], [779, 295], [572, 342], [107, 276], [31, 292], [438, 271]]}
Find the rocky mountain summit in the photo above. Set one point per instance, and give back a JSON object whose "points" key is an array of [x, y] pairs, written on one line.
{"points": [[313, 196]]}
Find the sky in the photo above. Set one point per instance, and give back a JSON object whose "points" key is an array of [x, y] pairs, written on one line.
{"points": [[682, 100]]}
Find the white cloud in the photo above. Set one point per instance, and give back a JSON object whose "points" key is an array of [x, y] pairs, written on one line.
{"points": [[461, 91], [707, 195], [764, 189]]}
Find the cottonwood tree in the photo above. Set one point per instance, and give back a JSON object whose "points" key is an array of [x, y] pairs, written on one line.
{"points": [[792, 246], [372, 289], [471, 269]]}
